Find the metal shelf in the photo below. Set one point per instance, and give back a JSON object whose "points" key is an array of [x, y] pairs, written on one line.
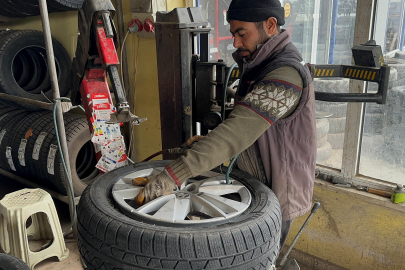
{"points": [[49, 106]]}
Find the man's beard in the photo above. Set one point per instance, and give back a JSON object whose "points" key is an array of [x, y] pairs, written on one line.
{"points": [[263, 38]]}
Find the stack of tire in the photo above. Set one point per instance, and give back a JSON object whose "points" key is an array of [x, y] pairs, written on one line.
{"points": [[11, 10], [24, 67], [337, 121], [324, 148], [28, 148]]}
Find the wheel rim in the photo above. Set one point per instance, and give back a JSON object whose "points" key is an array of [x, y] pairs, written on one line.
{"points": [[197, 201]]}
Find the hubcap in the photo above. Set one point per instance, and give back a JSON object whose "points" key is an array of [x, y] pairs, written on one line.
{"points": [[197, 201]]}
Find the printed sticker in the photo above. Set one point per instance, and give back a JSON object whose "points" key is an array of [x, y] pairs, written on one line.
{"points": [[106, 164], [99, 98], [21, 152], [38, 144], [51, 159], [2, 133], [9, 158]]}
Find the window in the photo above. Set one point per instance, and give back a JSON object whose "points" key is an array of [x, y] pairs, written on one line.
{"points": [[370, 149]]}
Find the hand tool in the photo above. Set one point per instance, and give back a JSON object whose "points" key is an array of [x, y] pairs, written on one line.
{"points": [[383, 193], [292, 264]]}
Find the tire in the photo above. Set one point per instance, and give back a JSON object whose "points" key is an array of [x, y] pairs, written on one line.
{"points": [[336, 109], [322, 127], [321, 141], [107, 239], [22, 138], [7, 125], [400, 55], [41, 131], [373, 123], [336, 140], [23, 41], [81, 154], [331, 85], [323, 153], [337, 125], [78, 136], [8, 262], [398, 64]]}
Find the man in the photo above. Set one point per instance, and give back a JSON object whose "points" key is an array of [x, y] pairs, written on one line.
{"points": [[273, 123]]}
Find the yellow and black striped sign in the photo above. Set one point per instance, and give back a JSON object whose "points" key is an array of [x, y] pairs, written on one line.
{"points": [[346, 71], [324, 72], [235, 73], [361, 74]]}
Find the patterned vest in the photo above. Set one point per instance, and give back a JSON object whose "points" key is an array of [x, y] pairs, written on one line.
{"points": [[288, 148]]}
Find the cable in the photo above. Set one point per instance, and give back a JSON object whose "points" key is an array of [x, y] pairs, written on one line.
{"points": [[228, 172], [64, 164], [228, 75], [122, 73], [155, 155]]}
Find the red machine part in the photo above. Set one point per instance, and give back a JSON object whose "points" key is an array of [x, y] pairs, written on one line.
{"points": [[135, 25], [149, 26], [106, 47]]}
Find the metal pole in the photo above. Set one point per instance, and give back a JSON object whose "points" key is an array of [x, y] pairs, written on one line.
{"points": [[121, 31], [335, 11], [56, 95]]}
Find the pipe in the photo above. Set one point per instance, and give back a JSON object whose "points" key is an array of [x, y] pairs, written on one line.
{"points": [[156, 154], [335, 10], [403, 31], [228, 172], [121, 31], [56, 95], [228, 75], [35, 103]]}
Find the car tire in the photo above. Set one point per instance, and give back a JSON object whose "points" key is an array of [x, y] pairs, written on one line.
{"points": [[335, 109], [337, 125], [322, 127], [107, 239], [8, 262], [336, 140], [331, 85], [15, 42], [321, 141], [323, 153]]}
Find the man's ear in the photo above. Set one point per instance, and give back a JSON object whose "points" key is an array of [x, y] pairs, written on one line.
{"points": [[270, 26]]}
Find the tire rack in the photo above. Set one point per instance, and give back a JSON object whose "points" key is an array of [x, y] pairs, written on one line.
{"points": [[71, 201]]}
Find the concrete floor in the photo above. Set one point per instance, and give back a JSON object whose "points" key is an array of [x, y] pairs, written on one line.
{"points": [[73, 261]]}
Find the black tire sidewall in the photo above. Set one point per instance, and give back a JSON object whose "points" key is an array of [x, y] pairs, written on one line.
{"points": [[21, 40], [8, 262], [100, 194]]}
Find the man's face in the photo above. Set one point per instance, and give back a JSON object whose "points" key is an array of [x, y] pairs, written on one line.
{"points": [[246, 37]]}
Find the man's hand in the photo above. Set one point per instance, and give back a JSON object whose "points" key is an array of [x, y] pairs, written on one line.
{"points": [[155, 186]]}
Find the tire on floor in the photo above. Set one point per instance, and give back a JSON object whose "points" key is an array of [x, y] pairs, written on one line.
{"points": [[107, 239], [8, 262]]}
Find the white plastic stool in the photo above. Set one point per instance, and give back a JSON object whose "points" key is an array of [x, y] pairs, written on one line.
{"points": [[15, 209]]}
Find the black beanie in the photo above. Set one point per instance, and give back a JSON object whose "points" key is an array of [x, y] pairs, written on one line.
{"points": [[255, 11]]}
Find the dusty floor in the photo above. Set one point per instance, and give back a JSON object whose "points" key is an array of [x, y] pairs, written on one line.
{"points": [[73, 261]]}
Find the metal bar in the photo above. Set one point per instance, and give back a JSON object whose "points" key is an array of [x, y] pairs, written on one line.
{"points": [[35, 103], [333, 31], [56, 95], [348, 97], [124, 61], [109, 33], [351, 150], [186, 84], [26, 182]]}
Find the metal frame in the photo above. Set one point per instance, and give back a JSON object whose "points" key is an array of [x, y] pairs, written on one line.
{"points": [[349, 172], [49, 106]]}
